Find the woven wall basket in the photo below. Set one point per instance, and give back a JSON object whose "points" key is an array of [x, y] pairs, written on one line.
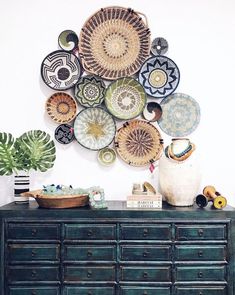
{"points": [[61, 107], [139, 143], [114, 42]]}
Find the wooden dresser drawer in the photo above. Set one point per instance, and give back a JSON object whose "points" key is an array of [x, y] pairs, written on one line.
{"points": [[129, 290], [89, 291], [200, 273], [201, 232], [92, 273], [90, 231], [200, 253], [195, 290], [145, 232], [33, 231], [145, 253], [33, 252], [90, 253], [145, 274], [35, 290], [34, 273]]}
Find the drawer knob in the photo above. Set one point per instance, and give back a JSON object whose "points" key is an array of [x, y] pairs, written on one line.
{"points": [[33, 273], [89, 273], [200, 293], [145, 254], [34, 232], [34, 292], [200, 274], [145, 292], [33, 253], [89, 253], [145, 275], [145, 232], [89, 293], [200, 232], [90, 233], [200, 253]]}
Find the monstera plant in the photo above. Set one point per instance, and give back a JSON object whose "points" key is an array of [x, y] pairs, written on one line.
{"points": [[32, 150]]}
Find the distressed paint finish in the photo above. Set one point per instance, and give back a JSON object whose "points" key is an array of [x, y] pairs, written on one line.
{"points": [[33, 253], [118, 251], [91, 253], [89, 291], [37, 290], [129, 290]]}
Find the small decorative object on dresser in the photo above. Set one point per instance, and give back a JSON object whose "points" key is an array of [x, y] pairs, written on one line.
{"points": [[179, 173], [96, 198], [32, 150], [144, 196], [62, 196], [59, 196], [210, 194]]}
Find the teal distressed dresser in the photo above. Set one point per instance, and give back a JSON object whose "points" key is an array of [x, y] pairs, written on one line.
{"points": [[183, 251]]}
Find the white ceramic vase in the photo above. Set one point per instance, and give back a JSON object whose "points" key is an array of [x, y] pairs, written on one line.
{"points": [[179, 181]]}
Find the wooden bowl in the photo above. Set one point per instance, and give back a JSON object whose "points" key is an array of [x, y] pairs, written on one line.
{"points": [[60, 201]]}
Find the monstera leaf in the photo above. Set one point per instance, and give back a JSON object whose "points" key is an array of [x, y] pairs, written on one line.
{"points": [[36, 150], [7, 154]]}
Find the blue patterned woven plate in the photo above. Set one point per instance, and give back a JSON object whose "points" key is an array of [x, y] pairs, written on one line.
{"points": [[159, 76], [180, 115]]}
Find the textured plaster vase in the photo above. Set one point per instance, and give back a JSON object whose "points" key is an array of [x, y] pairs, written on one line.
{"points": [[179, 181]]}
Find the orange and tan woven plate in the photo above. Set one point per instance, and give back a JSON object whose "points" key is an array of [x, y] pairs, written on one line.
{"points": [[139, 143], [61, 107], [114, 42]]}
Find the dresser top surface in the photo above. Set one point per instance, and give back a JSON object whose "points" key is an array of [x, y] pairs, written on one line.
{"points": [[116, 209]]}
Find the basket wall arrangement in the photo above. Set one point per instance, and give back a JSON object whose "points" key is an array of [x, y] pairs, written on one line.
{"points": [[122, 89]]}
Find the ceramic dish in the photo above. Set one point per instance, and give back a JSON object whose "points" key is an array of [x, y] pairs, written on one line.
{"points": [[159, 76], [64, 134], [125, 98], [60, 70], [94, 128], [107, 156], [180, 115], [139, 143], [152, 111], [114, 42], [68, 40], [159, 46], [61, 107], [90, 91]]}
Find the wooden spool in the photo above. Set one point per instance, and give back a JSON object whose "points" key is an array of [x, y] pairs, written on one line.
{"points": [[218, 200]]}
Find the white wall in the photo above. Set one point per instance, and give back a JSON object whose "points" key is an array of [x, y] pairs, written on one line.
{"points": [[201, 36]]}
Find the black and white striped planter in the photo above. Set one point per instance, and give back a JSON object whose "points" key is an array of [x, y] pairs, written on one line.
{"points": [[21, 185]]}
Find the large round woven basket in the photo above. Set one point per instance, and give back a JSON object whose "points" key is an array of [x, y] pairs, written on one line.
{"points": [[114, 42], [139, 143]]}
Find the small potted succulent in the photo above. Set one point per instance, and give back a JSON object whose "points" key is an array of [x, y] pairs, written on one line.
{"points": [[33, 150]]}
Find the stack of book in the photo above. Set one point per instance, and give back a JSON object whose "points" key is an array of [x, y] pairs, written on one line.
{"points": [[144, 201]]}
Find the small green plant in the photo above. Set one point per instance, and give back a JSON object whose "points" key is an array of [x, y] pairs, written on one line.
{"points": [[32, 150]]}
